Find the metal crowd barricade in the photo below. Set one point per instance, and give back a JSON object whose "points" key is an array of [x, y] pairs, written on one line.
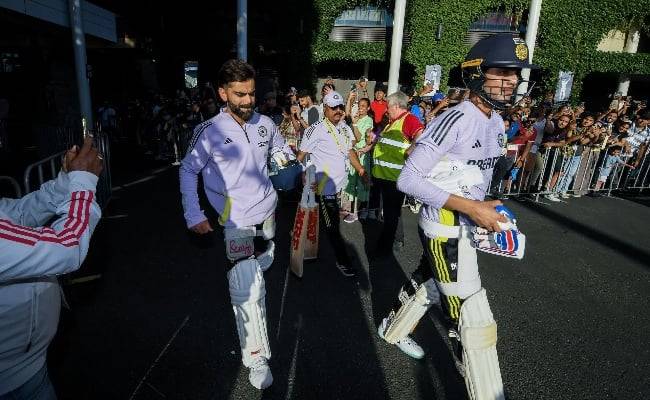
{"points": [[639, 180], [46, 169], [575, 176], [49, 167]]}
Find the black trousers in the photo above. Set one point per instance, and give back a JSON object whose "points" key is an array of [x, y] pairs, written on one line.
{"points": [[329, 218], [439, 261], [392, 207]]}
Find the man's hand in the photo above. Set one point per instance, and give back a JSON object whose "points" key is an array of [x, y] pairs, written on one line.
{"points": [[364, 177], [202, 228], [87, 159], [69, 155], [483, 213]]}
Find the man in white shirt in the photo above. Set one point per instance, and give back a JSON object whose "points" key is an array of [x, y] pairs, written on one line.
{"points": [[329, 145]]}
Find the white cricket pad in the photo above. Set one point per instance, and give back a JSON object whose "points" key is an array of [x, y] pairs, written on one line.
{"points": [[478, 335], [247, 294], [266, 259], [413, 308]]}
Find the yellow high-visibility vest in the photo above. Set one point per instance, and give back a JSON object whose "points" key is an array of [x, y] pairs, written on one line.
{"points": [[389, 154]]}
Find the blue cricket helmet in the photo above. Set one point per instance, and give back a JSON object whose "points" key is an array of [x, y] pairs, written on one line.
{"points": [[502, 50]]}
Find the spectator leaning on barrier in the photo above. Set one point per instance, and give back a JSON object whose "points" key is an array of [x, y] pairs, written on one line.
{"points": [[530, 157], [613, 158], [639, 137], [619, 136], [31, 256], [576, 141], [553, 145], [589, 137]]}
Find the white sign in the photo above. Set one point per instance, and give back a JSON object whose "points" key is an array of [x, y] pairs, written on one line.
{"points": [[432, 76], [564, 85]]}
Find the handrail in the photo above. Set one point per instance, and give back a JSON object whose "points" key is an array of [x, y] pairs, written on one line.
{"points": [[52, 160]]}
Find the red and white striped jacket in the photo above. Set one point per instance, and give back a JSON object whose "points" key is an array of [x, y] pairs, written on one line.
{"points": [[32, 253]]}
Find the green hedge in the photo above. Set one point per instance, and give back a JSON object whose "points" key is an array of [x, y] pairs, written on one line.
{"points": [[569, 33]]}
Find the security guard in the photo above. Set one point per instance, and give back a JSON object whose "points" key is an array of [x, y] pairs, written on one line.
{"points": [[389, 155]]}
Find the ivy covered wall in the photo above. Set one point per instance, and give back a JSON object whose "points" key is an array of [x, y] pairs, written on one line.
{"points": [[569, 33]]}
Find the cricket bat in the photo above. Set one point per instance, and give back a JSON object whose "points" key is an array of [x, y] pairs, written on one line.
{"points": [[311, 245], [299, 232]]}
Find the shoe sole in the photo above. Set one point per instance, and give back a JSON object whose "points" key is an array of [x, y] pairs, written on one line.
{"points": [[414, 356]]}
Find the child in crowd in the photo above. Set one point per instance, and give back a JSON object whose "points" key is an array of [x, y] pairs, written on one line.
{"points": [[613, 157]]}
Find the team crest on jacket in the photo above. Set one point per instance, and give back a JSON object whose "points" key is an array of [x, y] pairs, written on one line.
{"points": [[501, 140], [262, 131]]}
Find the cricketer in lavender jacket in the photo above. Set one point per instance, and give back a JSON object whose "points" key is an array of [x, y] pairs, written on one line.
{"points": [[30, 258], [232, 160], [461, 137]]}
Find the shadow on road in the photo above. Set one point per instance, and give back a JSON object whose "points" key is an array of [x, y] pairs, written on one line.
{"points": [[324, 349], [615, 243], [437, 370]]}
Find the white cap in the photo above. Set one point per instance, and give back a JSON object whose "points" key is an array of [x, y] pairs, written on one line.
{"points": [[333, 99]]}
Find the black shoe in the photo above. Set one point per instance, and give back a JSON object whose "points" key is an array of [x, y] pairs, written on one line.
{"points": [[346, 271]]}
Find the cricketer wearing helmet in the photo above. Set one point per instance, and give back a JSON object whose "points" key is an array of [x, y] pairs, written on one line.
{"points": [[449, 171], [230, 151]]}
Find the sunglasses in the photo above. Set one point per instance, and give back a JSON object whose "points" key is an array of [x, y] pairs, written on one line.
{"points": [[340, 107]]}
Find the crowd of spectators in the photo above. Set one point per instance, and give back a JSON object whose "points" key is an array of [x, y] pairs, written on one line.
{"points": [[563, 151], [554, 151]]}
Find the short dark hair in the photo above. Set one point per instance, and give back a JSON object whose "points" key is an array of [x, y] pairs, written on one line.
{"points": [[304, 93], [588, 114], [235, 71], [367, 100], [615, 148], [644, 115]]}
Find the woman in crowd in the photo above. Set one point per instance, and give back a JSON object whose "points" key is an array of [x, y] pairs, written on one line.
{"points": [[552, 145], [576, 142], [357, 192]]}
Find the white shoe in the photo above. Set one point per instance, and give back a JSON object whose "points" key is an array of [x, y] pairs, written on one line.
{"points": [[260, 374], [407, 345], [553, 197], [565, 195]]}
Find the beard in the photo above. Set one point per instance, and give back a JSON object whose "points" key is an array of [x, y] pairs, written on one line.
{"points": [[245, 112]]}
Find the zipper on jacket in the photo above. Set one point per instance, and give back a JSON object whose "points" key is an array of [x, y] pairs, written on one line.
{"points": [[242, 128], [32, 321], [245, 133]]}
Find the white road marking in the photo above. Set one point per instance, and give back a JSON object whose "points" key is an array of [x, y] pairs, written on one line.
{"points": [[162, 352]]}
